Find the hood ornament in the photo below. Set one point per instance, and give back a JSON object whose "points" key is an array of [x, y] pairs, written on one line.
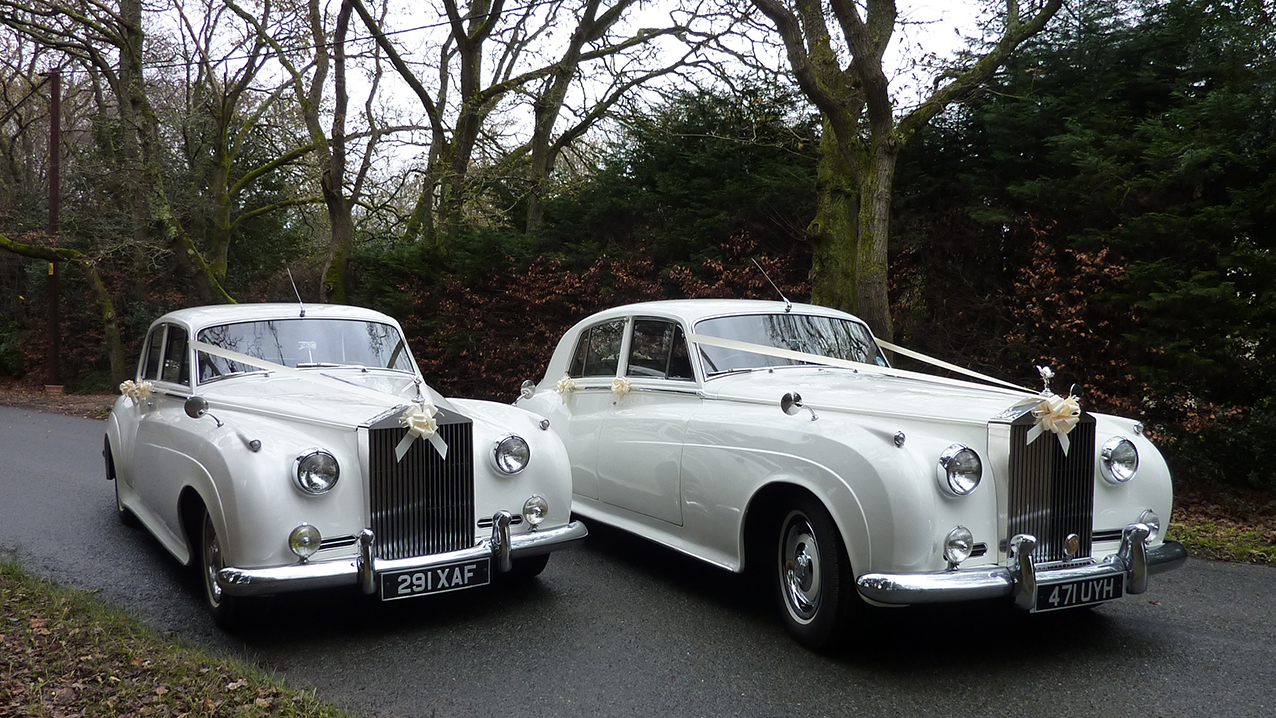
{"points": [[1046, 375]]}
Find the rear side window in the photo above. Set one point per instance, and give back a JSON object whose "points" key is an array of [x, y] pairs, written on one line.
{"points": [[154, 348], [176, 358], [598, 352], [658, 350]]}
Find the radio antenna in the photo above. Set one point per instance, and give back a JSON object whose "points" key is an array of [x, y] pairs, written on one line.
{"points": [[294, 291], [788, 306]]}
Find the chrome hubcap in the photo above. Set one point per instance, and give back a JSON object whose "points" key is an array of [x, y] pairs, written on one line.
{"points": [[800, 576], [212, 562]]}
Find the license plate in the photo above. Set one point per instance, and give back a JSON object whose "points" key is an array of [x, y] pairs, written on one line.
{"points": [[1082, 592], [436, 579]]}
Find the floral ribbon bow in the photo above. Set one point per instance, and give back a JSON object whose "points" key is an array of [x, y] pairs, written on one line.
{"points": [[1058, 415], [137, 391], [421, 424], [621, 386], [566, 385]]}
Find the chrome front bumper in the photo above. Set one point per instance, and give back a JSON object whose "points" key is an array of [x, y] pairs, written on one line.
{"points": [[362, 570], [1134, 560]]}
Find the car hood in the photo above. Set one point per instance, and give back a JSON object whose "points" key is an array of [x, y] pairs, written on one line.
{"points": [[347, 398], [834, 389]]}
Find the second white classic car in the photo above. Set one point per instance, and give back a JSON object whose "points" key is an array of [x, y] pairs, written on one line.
{"points": [[778, 436], [282, 447]]}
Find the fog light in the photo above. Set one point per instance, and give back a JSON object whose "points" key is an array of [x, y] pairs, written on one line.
{"points": [[1153, 522], [304, 541], [958, 545], [535, 509]]}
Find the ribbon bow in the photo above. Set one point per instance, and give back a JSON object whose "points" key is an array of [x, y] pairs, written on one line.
{"points": [[421, 424], [1058, 415], [137, 391], [621, 386], [566, 385]]}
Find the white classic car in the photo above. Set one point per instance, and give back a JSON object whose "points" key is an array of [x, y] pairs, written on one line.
{"points": [[778, 436], [282, 447]]}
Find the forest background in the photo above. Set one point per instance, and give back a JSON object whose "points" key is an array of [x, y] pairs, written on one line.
{"points": [[1104, 202]]}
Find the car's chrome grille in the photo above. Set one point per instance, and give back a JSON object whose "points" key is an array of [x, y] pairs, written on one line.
{"points": [[423, 504], [1052, 494]]}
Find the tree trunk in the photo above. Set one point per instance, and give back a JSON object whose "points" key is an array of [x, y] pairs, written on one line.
{"points": [[833, 232]]}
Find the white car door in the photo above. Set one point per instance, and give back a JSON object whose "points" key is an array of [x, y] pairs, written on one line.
{"points": [[640, 445], [159, 459]]}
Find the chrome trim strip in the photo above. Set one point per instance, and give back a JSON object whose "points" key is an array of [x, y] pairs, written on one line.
{"points": [[362, 571], [1000, 581]]}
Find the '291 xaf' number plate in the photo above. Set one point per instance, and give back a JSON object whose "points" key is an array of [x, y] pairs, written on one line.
{"points": [[436, 579], [1082, 592]]}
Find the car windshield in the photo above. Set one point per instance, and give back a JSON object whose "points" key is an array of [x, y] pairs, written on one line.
{"points": [[303, 343], [821, 336]]}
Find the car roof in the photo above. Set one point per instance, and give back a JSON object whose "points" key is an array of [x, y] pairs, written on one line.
{"points": [[199, 317], [694, 310]]}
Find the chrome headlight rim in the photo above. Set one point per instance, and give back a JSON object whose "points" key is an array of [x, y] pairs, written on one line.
{"points": [[510, 454], [956, 474], [311, 474], [1115, 463]]}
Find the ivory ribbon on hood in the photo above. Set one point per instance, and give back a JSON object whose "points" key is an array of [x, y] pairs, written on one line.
{"points": [[421, 424], [863, 366], [1058, 415], [435, 440]]}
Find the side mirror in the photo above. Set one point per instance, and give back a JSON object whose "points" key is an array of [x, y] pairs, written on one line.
{"points": [[197, 407], [791, 404], [528, 389]]}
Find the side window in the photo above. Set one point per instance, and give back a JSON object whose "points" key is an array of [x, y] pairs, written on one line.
{"points": [[154, 347], [598, 353], [658, 350], [176, 358]]}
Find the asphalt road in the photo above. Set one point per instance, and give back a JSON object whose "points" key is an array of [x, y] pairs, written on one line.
{"points": [[623, 628]]}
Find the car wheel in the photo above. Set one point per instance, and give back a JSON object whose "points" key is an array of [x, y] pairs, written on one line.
{"points": [[223, 607], [813, 580], [125, 516], [527, 568]]}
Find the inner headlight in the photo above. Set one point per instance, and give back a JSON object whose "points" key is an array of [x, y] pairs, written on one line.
{"points": [[317, 471], [958, 545], [511, 454], [1120, 460], [304, 541], [535, 509], [960, 469]]}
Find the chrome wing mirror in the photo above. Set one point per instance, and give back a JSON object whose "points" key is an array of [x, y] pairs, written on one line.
{"points": [[791, 404], [197, 407]]}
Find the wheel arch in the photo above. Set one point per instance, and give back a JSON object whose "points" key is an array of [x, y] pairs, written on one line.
{"points": [[190, 510], [766, 508]]}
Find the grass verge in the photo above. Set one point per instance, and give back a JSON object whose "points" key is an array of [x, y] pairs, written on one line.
{"points": [[65, 654]]}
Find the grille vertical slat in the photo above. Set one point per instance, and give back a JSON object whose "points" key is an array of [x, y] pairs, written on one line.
{"points": [[1052, 493], [423, 504]]}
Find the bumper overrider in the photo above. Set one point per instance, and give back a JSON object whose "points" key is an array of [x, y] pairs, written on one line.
{"points": [[502, 548], [1133, 562]]}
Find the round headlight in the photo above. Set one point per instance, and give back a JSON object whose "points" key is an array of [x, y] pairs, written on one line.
{"points": [[511, 454], [317, 471], [960, 469], [535, 509], [1120, 460], [958, 545]]}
